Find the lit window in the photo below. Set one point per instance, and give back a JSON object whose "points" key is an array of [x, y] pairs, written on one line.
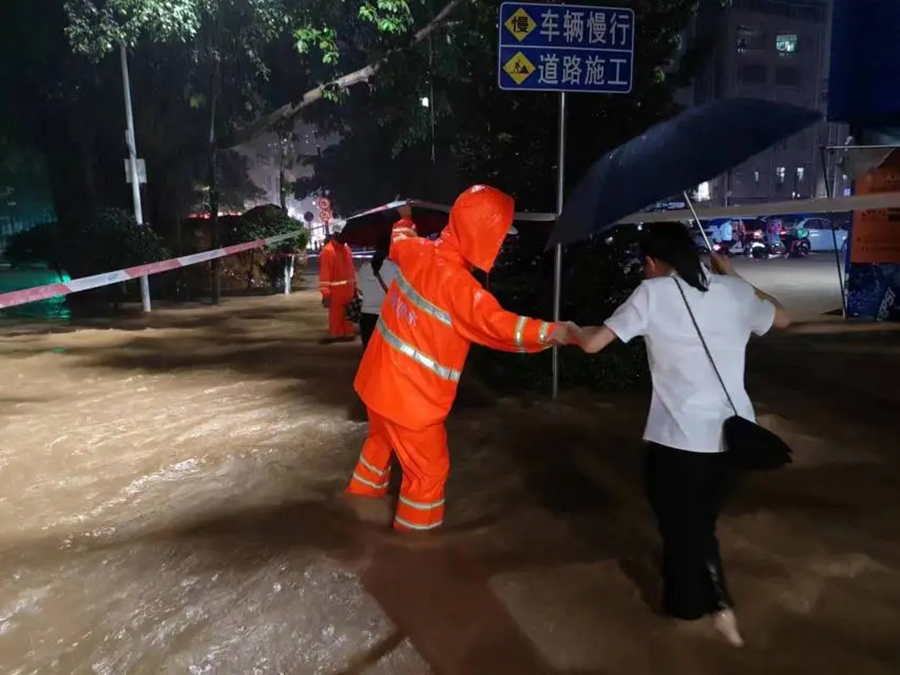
{"points": [[786, 43], [756, 177], [703, 192], [749, 38], [801, 172], [780, 174]]}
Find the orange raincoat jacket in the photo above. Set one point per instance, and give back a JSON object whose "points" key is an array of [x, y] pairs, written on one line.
{"points": [[433, 312], [435, 309], [337, 283]]}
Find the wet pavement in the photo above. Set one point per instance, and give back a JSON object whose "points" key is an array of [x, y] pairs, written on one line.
{"points": [[165, 509]]}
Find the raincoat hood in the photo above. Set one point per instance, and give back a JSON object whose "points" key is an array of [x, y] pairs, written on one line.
{"points": [[480, 219]]}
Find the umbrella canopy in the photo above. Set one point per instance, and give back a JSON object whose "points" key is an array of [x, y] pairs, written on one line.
{"points": [[364, 229], [675, 156]]}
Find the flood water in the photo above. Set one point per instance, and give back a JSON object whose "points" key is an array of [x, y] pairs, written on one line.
{"points": [[164, 509]]}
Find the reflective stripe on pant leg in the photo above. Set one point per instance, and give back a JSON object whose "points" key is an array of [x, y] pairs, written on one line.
{"points": [[425, 460], [412, 515], [372, 473]]}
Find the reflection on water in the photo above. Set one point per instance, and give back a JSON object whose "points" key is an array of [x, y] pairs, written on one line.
{"points": [[53, 309]]}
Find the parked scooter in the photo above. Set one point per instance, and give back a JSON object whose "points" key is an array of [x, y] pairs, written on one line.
{"points": [[729, 248], [794, 246], [751, 246]]}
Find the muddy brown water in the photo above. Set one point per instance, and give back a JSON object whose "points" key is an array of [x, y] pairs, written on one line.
{"points": [[164, 510]]}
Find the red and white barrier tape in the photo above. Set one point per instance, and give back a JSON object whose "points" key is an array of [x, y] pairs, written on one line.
{"points": [[37, 293]]}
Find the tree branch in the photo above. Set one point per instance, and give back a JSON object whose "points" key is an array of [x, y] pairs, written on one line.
{"points": [[291, 110]]}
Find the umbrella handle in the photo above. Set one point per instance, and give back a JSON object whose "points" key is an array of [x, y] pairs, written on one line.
{"points": [[690, 204]]}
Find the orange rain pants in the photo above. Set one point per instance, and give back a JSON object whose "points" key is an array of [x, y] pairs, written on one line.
{"points": [[337, 283], [425, 460], [338, 325]]}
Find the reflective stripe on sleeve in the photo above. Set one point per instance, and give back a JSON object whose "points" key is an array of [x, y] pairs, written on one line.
{"points": [[420, 302], [520, 332], [419, 357], [544, 332]]}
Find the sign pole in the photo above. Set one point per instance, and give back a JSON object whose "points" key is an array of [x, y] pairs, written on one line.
{"points": [[558, 252], [823, 156], [132, 158], [564, 49]]}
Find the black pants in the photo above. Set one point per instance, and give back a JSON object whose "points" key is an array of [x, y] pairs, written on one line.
{"points": [[687, 490], [367, 327]]}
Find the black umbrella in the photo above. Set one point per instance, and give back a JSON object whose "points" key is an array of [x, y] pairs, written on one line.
{"points": [[672, 157], [364, 229]]}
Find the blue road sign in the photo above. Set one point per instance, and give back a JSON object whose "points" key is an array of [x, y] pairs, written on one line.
{"points": [[571, 48]]}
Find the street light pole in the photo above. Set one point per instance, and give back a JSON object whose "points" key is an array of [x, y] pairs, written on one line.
{"points": [[558, 252], [132, 161]]}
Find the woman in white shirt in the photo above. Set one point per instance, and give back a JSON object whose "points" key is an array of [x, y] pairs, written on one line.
{"points": [[687, 474], [373, 281]]}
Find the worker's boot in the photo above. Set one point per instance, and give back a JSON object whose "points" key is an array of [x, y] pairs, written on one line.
{"points": [[377, 511]]}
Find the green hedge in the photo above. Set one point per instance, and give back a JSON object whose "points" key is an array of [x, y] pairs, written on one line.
{"points": [[103, 241]]}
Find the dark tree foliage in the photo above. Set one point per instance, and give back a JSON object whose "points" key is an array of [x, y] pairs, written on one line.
{"points": [[267, 221], [471, 132]]}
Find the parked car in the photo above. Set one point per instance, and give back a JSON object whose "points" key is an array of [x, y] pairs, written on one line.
{"points": [[820, 234]]}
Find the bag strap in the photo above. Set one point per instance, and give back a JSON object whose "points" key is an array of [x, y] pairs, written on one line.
{"points": [[705, 346], [380, 280]]}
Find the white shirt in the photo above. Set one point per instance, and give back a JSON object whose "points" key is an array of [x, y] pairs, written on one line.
{"points": [[688, 406], [371, 291]]}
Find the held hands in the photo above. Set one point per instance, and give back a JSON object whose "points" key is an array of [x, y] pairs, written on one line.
{"points": [[591, 339], [565, 333]]}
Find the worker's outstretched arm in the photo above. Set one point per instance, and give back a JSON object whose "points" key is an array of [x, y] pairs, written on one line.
{"points": [[403, 231], [478, 317]]}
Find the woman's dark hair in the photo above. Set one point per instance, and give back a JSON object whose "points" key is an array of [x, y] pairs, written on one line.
{"points": [[672, 244], [382, 248]]}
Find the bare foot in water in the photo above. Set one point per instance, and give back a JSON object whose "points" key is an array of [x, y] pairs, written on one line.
{"points": [[714, 627], [726, 624]]}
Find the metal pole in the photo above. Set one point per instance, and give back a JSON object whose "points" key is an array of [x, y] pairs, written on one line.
{"points": [[690, 205], [558, 253], [823, 154], [132, 159]]}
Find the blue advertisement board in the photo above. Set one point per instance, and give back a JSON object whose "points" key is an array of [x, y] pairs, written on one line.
{"points": [[865, 61], [873, 291]]}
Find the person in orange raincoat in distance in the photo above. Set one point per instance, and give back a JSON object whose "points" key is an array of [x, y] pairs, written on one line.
{"points": [[409, 374], [337, 283]]}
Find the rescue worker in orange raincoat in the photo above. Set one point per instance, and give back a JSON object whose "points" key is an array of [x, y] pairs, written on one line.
{"points": [[337, 283], [433, 312]]}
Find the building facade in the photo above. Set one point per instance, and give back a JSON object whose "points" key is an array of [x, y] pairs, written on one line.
{"points": [[777, 50]]}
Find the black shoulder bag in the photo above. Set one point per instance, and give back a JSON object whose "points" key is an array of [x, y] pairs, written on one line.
{"points": [[748, 446]]}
